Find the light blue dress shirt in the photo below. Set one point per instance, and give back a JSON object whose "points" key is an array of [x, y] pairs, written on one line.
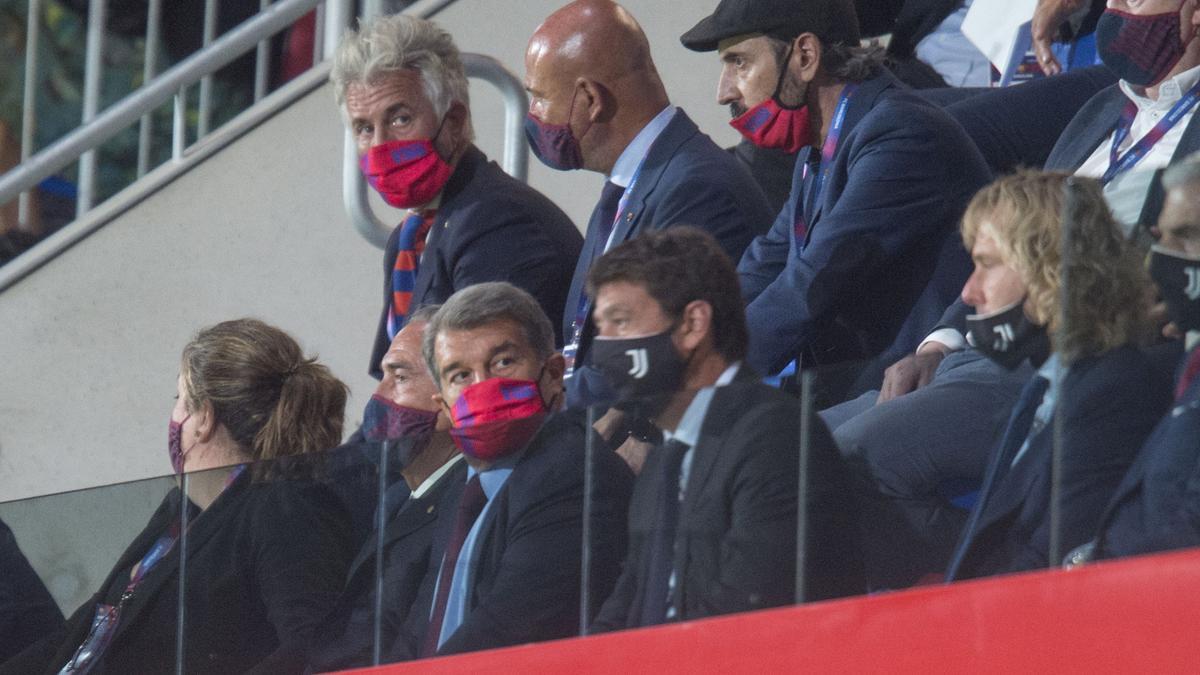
{"points": [[491, 481], [952, 55]]}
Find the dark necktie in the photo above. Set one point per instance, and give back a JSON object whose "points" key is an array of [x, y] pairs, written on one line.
{"points": [[1190, 370], [604, 217], [469, 505], [410, 244], [1019, 424], [662, 542]]}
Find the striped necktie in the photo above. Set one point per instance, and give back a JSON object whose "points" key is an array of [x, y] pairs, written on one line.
{"points": [[409, 247]]}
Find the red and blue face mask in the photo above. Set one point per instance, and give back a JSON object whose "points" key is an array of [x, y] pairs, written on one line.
{"points": [[555, 144], [1140, 49], [496, 418], [408, 173], [175, 444], [386, 420], [774, 125]]}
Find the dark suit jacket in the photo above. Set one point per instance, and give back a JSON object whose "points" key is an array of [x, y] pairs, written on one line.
{"points": [[347, 639], [686, 179], [27, 612], [736, 539], [525, 581], [882, 254], [489, 227], [265, 563], [1108, 405], [1157, 505]]}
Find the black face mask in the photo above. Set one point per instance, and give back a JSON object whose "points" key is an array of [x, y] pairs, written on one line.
{"points": [[644, 372], [1178, 279], [1008, 337]]}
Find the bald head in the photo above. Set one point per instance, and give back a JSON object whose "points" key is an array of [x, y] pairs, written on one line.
{"points": [[592, 55]]}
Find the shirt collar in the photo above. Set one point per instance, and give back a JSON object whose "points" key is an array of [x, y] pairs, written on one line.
{"points": [[427, 484], [633, 154], [1169, 92], [688, 429], [1050, 368], [493, 478]]}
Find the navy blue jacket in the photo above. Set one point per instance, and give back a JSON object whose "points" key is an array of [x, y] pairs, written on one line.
{"points": [[489, 227], [1108, 405], [1157, 505], [882, 253], [686, 179]]}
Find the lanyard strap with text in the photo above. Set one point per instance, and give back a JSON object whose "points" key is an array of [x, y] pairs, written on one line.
{"points": [[1119, 163], [571, 350], [828, 151]]}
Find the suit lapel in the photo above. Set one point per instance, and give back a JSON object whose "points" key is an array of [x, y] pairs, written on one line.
{"points": [[677, 132], [412, 516], [1154, 199], [1078, 147]]}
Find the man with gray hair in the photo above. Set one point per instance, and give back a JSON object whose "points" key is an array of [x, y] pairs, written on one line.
{"points": [[505, 567], [1157, 505], [401, 85]]}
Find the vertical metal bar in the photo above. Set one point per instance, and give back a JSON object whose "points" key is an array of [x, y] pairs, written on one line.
{"points": [[380, 523], [806, 422], [337, 20], [180, 618], [33, 26], [371, 9], [319, 35], [1070, 219], [262, 61], [149, 70], [206, 82], [585, 560], [179, 125], [92, 77]]}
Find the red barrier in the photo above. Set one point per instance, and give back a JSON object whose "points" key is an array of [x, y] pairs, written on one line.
{"points": [[1133, 616]]}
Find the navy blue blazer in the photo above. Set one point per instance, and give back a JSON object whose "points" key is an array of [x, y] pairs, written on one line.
{"points": [[1157, 505], [686, 179], [525, 578], [1108, 405], [489, 227], [882, 254], [736, 540]]}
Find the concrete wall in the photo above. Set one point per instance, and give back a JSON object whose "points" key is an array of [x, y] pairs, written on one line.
{"points": [[89, 344]]}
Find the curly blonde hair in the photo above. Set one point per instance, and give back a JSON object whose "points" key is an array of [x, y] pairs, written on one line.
{"points": [[1107, 285]]}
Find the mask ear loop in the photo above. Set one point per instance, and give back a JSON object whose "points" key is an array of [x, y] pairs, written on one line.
{"points": [[783, 71], [571, 113]]}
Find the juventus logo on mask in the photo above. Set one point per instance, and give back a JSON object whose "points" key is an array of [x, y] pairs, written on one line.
{"points": [[1004, 337], [641, 363], [1008, 337], [1178, 278], [1193, 283]]}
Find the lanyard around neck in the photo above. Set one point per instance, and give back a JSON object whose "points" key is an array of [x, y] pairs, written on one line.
{"points": [[1118, 163]]}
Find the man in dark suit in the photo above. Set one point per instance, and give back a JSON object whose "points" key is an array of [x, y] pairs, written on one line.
{"points": [[597, 103], [1095, 394], [712, 523], [1155, 507], [865, 254], [467, 221], [505, 567], [401, 414], [27, 611]]}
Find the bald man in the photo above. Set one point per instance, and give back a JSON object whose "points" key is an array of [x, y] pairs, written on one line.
{"points": [[598, 103]]}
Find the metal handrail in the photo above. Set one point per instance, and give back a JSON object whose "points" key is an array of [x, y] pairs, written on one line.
{"points": [[516, 151], [121, 115]]}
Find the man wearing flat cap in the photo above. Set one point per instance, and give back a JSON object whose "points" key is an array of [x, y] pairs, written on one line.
{"points": [[865, 255]]}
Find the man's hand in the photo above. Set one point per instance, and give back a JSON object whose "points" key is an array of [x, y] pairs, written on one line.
{"points": [[1162, 321], [912, 372], [1047, 18], [634, 453], [609, 423]]}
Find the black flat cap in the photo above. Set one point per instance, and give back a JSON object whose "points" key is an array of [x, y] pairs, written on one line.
{"points": [[831, 20]]}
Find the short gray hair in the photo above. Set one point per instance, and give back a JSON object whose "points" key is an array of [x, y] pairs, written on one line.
{"points": [[1184, 174], [423, 314], [482, 304], [389, 44]]}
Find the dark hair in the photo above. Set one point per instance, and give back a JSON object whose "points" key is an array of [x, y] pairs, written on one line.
{"points": [[676, 266], [273, 401], [843, 62]]}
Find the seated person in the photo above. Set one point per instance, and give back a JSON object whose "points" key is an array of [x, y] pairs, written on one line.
{"points": [[1095, 394], [401, 414], [505, 567], [712, 524], [1157, 505], [266, 549], [403, 90], [27, 612]]}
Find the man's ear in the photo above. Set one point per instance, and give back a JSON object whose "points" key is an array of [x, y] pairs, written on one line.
{"points": [[595, 99], [1191, 20], [807, 54], [696, 324], [455, 123]]}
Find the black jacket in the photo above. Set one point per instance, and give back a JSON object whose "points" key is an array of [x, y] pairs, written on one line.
{"points": [[27, 612], [264, 563], [736, 539], [489, 227]]}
